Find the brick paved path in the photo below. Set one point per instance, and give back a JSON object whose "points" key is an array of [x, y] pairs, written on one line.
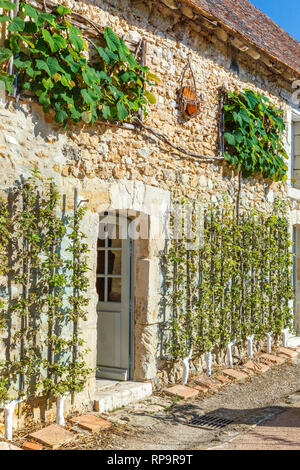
{"points": [[281, 432]]}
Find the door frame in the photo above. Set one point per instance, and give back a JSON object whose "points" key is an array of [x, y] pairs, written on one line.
{"points": [[131, 297]]}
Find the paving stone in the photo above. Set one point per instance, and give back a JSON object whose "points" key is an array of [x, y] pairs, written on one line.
{"points": [[250, 372], [32, 446], [256, 366], [271, 358], [201, 389], [8, 446], [91, 422], [52, 436], [224, 380], [236, 374], [266, 363], [287, 352], [207, 382], [182, 391]]}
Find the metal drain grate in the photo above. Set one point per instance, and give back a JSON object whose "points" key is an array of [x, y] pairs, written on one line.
{"points": [[209, 421]]}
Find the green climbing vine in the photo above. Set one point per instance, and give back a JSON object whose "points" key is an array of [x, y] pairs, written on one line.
{"points": [[235, 282], [70, 79], [45, 355], [253, 135]]}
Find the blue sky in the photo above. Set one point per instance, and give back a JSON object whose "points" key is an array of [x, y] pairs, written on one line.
{"points": [[285, 13]]}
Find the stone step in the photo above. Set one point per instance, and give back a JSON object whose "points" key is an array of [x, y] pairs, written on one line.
{"points": [[120, 394]]}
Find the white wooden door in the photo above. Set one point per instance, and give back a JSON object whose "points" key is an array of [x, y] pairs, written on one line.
{"points": [[113, 287]]}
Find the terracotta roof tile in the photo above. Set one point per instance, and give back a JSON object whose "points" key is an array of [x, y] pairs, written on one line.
{"points": [[244, 18]]}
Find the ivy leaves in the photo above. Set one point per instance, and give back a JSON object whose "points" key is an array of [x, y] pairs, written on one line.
{"points": [[52, 65], [253, 129]]}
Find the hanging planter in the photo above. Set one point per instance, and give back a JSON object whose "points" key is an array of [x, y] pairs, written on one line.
{"points": [[189, 101]]}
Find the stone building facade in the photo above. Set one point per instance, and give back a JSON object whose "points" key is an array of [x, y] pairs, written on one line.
{"points": [[121, 169]]}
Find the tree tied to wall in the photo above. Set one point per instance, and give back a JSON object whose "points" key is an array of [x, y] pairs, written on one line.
{"points": [[237, 282], [253, 135], [43, 355], [53, 63]]}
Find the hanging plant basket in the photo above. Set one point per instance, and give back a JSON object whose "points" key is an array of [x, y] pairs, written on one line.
{"points": [[190, 102]]}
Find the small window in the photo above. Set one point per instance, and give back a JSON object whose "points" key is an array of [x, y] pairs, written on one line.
{"points": [[109, 263]]}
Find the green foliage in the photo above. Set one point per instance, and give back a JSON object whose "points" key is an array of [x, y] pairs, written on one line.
{"points": [[53, 63], [45, 356], [253, 130], [235, 281]]}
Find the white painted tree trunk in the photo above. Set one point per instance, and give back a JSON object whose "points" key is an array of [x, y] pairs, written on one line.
{"points": [[269, 349], [250, 345], [208, 363], [285, 333], [186, 368], [229, 352], [9, 410], [60, 404]]}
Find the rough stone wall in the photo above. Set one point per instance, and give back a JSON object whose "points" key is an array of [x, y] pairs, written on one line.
{"points": [[121, 169]]}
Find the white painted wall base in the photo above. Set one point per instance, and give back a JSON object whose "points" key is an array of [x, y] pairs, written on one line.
{"points": [[120, 394]]}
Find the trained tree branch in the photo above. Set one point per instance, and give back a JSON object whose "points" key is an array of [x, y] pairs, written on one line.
{"points": [[164, 139]]}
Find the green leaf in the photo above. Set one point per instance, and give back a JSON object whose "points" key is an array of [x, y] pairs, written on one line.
{"points": [[76, 39], [33, 73], [30, 27], [107, 55], [229, 138], [46, 17], [56, 42], [245, 116], [8, 81], [75, 114], [89, 76], [48, 84], [54, 66], [7, 5], [17, 24], [125, 77], [88, 96], [251, 99], [21, 64], [59, 42], [42, 65], [112, 40], [44, 99], [62, 11], [4, 18], [152, 77], [151, 98], [72, 64], [122, 111], [31, 12], [61, 116], [106, 113], [5, 54]]}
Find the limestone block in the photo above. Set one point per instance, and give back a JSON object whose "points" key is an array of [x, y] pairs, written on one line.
{"points": [[187, 11], [171, 4], [147, 347]]}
